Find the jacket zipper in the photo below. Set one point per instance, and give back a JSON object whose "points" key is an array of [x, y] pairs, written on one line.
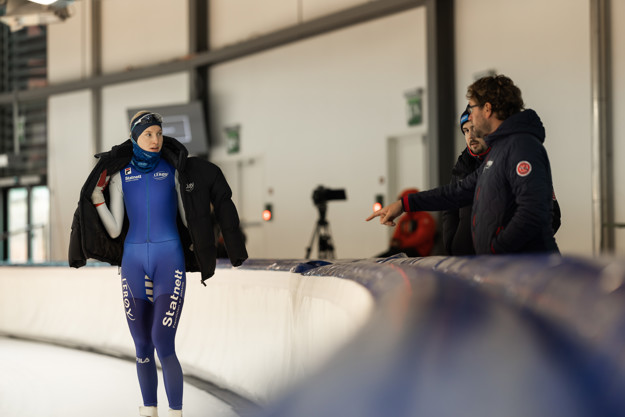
{"points": [[147, 181]]}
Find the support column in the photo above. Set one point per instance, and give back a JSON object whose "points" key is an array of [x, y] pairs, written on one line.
{"points": [[199, 42], [95, 23], [441, 92], [602, 148]]}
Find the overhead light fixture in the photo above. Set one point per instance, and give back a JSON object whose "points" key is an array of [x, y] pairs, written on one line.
{"points": [[17, 14]]}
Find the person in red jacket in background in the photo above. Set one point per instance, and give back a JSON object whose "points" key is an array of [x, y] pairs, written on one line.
{"points": [[414, 234]]}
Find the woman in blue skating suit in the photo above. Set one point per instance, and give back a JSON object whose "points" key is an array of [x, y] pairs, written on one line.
{"points": [[147, 192]]}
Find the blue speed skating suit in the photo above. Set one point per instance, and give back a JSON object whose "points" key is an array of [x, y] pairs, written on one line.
{"points": [[153, 276]]}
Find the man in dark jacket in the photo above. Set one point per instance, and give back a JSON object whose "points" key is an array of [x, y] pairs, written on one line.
{"points": [[457, 236], [457, 222], [512, 191]]}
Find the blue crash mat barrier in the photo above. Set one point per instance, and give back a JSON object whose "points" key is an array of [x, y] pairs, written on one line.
{"points": [[473, 336]]}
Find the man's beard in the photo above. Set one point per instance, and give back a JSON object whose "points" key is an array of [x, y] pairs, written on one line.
{"points": [[476, 147], [479, 132]]}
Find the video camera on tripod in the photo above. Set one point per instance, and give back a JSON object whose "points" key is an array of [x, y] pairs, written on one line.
{"points": [[320, 197]]}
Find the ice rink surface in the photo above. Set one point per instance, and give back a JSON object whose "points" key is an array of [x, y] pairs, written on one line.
{"points": [[42, 380]]}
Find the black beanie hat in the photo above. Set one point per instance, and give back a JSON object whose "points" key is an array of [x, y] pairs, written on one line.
{"points": [[463, 119], [143, 121]]}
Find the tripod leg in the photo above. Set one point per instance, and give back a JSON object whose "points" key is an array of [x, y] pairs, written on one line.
{"points": [[326, 248], [331, 243], [312, 240]]}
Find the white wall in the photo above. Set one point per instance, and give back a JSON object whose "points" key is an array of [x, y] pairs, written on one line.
{"points": [[70, 159], [140, 33], [69, 46], [319, 112], [134, 34], [237, 21], [70, 134], [544, 46], [618, 110], [137, 34], [311, 9]]}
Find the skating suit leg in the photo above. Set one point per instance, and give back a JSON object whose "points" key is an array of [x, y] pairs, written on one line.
{"points": [[153, 277]]}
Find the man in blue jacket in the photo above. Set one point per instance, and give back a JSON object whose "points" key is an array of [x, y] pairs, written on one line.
{"points": [[512, 191]]}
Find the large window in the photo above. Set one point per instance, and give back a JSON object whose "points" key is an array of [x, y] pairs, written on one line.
{"points": [[23, 148], [23, 125], [28, 225], [23, 58], [18, 225], [40, 224]]}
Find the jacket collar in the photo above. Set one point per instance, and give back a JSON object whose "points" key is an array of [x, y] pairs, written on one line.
{"points": [[479, 156]]}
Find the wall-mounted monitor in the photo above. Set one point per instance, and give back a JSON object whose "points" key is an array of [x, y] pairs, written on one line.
{"points": [[184, 122]]}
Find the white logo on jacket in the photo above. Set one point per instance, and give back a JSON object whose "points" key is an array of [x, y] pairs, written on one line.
{"points": [[160, 175]]}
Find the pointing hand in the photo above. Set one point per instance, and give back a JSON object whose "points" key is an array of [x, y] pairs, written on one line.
{"points": [[388, 213]]}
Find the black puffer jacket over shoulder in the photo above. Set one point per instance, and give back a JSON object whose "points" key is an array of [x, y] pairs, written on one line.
{"points": [[201, 183]]}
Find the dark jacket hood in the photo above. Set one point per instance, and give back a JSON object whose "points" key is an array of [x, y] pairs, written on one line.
{"points": [[525, 122]]}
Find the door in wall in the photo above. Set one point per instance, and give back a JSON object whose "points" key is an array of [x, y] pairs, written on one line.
{"points": [[407, 163], [246, 179]]}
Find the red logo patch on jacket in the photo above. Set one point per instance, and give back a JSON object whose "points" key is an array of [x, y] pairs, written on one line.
{"points": [[523, 168]]}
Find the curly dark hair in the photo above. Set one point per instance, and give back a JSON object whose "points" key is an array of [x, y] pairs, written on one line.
{"points": [[500, 92]]}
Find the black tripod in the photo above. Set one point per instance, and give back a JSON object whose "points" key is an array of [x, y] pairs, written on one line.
{"points": [[322, 231]]}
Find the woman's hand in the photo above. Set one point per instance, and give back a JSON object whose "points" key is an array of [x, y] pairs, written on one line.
{"points": [[388, 214], [97, 197]]}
